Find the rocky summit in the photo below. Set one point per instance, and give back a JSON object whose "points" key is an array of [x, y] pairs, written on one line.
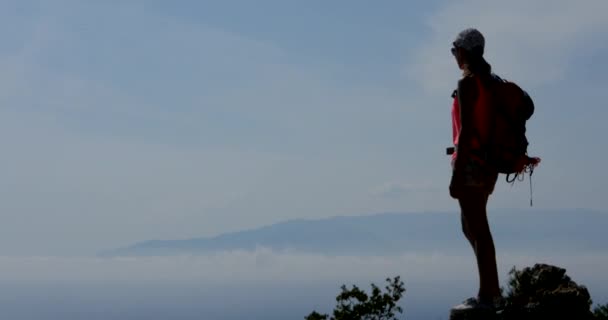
{"points": [[540, 292]]}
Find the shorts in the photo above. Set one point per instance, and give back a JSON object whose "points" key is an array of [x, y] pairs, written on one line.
{"points": [[478, 176]]}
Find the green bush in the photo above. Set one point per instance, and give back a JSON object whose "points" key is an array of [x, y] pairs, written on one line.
{"points": [[601, 312], [356, 304]]}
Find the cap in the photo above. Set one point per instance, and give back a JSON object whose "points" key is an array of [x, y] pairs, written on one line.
{"points": [[470, 40]]}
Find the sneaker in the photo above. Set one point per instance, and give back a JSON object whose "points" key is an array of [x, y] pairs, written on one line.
{"points": [[472, 305], [499, 303]]}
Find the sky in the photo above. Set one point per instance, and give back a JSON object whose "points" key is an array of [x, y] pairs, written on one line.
{"points": [[122, 121]]}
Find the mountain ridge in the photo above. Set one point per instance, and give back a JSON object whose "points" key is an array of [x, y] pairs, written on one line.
{"points": [[394, 232]]}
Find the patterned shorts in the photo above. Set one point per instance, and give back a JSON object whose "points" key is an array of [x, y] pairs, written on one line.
{"points": [[478, 175]]}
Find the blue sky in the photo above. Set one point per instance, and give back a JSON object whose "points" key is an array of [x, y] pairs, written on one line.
{"points": [[129, 120]]}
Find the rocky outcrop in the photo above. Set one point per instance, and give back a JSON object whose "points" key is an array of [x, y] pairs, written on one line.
{"points": [[541, 292], [546, 292]]}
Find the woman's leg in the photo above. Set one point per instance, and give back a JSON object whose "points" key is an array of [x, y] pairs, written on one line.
{"points": [[477, 231]]}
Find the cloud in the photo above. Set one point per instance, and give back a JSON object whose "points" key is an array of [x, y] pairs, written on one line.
{"points": [[234, 285], [530, 42], [266, 267], [401, 189]]}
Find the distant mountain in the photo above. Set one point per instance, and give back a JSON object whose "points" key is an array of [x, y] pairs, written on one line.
{"points": [[389, 233]]}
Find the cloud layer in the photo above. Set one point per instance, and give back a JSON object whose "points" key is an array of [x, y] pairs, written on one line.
{"points": [[264, 266], [229, 284]]}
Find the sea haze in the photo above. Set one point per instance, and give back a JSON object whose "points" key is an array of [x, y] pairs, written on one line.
{"points": [[259, 284], [285, 271]]}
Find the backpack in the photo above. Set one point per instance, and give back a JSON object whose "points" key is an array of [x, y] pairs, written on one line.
{"points": [[507, 149]]}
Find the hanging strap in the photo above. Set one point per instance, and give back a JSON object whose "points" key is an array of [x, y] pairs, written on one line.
{"points": [[519, 176], [531, 172]]}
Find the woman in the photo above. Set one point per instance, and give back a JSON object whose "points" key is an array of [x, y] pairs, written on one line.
{"points": [[473, 180]]}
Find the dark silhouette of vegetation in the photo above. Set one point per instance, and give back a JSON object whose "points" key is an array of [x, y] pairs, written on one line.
{"points": [[356, 304], [546, 291], [601, 312], [539, 292]]}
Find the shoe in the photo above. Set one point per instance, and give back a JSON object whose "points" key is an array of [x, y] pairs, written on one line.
{"points": [[499, 303], [474, 305]]}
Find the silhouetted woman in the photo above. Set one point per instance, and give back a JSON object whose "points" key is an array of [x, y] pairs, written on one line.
{"points": [[473, 180]]}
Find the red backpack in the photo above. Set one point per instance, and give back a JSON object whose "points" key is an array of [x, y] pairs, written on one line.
{"points": [[507, 149]]}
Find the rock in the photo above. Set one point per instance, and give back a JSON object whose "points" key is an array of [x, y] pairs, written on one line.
{"points": [[538, 293], [476, 315], [546, 292]]}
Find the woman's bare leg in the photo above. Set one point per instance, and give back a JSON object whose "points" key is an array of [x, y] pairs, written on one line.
{"points": [[477, 231]]}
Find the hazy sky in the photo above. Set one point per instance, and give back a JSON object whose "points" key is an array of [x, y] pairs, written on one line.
{"points": [[123, 121]]}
